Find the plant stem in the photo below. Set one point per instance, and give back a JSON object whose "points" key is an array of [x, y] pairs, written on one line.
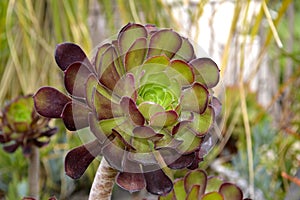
{"points": [[33, 172], [103, 182]]}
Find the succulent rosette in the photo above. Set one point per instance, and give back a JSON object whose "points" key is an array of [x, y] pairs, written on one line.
{"points": [[147, 100], [21, 126], [197, 185]]}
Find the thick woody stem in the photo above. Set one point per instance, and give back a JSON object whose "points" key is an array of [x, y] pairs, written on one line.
{"points": [[33, 172], [103, 182]]}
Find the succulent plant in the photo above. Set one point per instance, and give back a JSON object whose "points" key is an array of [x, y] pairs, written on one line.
{"points": [[147, 99], [21, 126], [197, 185]]}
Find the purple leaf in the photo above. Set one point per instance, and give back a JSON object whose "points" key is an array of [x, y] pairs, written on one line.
{"points": [[11, 148], [68, 53], [50, 132], [144, 132], [75, 116], [175, 160], [216, 105], [131, 182], [157, 181], [78, 159], [50, 102], [130, 109], [75, 77], [108, 74]]}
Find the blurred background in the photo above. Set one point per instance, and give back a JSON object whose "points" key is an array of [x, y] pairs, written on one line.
{"points": [[254, 42]]}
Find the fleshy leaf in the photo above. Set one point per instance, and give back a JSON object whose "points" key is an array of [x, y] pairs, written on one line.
{"points": [[75, 77], [212, 196], [216, 105], [75, 116], [18, 113], [213, 184], [158, 182], [165, 42], [197, 177], [78, 159], [68, 53], [206, 71], [166, 118], [194, 193], [160, 59], [113, 151], [195, 98], [190, 142], [50, 102], [129, 34], [104, 108], [100, 51], [90, 85], [108, 74], [202, 123], [129, 107], [144, 132], [148, 109], [11, 148], [131, 182], [183, 72], [179, 190], [230, 192], [103, 129], [142, 158], [136, 54], [126, 87], [186, 51], [167, 141], [175, 160]]}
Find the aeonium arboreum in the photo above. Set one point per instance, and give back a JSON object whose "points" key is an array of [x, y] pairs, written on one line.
{"points": [[21, 126], [147, 99]]}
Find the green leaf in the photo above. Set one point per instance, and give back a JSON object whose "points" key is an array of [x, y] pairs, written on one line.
{"points": [[136, 54], [195, 98], [148, 109], [179, 190], [196, 177], [202, 123], [212, 196], [162, 119], [230, 192], [129, 34], [213, 184], [181, 71], [194, 193], [19, 111], [164, 42]]}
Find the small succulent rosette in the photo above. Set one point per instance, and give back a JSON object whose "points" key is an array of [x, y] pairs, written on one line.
{"points": [[21, 126], [197, 185], [147, 99]]}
